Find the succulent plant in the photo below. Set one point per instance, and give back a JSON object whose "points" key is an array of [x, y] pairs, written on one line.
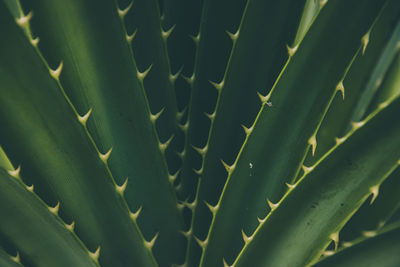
{"points": [[199, 133]]}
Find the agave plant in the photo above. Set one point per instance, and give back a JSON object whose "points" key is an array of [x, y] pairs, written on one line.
{"points": [[199, 133]]}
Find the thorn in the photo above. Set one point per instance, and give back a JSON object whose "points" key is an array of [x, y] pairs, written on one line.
{"points": [[364, 42], [201, 151], [375, 192], [172, 177], [83, 119], [180, 206], [166, 34], [335, 238], [122, 12], [196, 39], [35, 41], [340, 140], [213, 209], [181, 154], [210, 116], [228, 168], [199, 171], [226, 264], [187, 234], [217, 86], [30, 188], [346, 244], [340, 88], [95, 255], [56, 73], [306, 169], [313, 143], [292, 50], [246, 238], [262, 220], [135, 215], [173, 77], [121, 189], [384, 104], [15, 173], [71, 226], [380, 224], [368, 233], [272, 205], [356, 125], [163, 146], [23, 21], [202, 244], [154, 117], [233, 36], [16, 258], [106, 156], [150, 244], [130, 38], [327, 253], [55, 209], [290, 186], [142, 75], [189, 80], [179, 114], [247, 131], [191, 205], [184, 127], [264, 99], [321, 3]]}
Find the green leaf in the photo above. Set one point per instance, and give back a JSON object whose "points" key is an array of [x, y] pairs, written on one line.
{"points": [[6, 260], [42, 131], [381, 250], [330, 194], [278, 140], [26, 220]]}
